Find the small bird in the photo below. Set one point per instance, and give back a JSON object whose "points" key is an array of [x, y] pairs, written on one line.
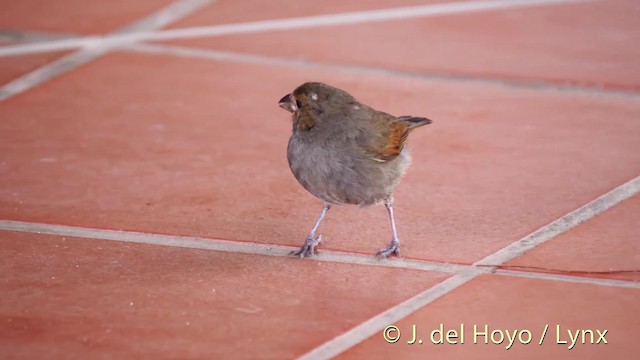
{"points": [[345, 152]]}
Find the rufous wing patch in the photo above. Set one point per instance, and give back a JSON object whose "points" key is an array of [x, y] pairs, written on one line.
{"points": [[394, 141], [385, 138]]}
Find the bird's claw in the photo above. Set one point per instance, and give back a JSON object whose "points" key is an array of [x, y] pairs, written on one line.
{"points": [[309, 247], [393, 249]]}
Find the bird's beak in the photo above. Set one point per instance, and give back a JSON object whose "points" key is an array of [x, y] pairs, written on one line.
{"points": [[288, 103]]}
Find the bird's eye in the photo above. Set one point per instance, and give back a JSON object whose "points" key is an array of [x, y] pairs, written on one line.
{"points": [[298, 104]]}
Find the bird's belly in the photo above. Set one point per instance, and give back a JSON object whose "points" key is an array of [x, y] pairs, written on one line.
{"points": [[331, 175]]}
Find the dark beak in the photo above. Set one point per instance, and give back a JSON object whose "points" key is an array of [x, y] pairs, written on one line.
{"points": [[288, 103]]}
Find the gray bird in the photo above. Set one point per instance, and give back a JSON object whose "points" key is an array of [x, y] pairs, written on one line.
{"points": [[345, 152]]}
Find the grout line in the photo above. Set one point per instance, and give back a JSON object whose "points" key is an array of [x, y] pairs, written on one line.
{"points": [[194, 242], [93, 49], [356, 17], [252, 248], [570, 279], [229, 56], [15, 36], [375, 324]]}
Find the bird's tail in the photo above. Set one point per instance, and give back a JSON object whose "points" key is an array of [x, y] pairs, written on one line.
{"points": [[414, 121]]}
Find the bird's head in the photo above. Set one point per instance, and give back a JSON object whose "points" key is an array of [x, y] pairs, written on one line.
{"points": [[314, 96], [312, 99]]}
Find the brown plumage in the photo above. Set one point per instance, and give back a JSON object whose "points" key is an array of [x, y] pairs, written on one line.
{"points": [[345, 152]]}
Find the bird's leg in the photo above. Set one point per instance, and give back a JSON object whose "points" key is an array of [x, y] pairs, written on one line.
{"points": [[308, 248], [394, 247]]}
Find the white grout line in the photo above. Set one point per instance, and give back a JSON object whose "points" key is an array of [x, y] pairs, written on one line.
{"points": [[27, 36], [50, 46], [349, 18], [194, 242], [219, 55], [570, 279], [243, 247], [489, 263], [95, 48], [355, 17], [374, 325]]}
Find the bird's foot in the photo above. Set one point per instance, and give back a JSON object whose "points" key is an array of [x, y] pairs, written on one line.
{"points": [[392, 249], [309, 247]]}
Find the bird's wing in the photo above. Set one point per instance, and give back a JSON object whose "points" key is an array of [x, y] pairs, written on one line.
{"points": [[383, 136], [386, 134]]}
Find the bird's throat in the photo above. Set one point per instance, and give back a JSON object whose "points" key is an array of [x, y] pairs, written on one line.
{"points": [[303, 122]]}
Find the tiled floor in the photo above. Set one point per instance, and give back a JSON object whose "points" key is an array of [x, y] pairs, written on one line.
{"points": [[147, 208]]}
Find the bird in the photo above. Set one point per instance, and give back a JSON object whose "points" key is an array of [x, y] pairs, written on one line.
{"points": [[346, 153]]}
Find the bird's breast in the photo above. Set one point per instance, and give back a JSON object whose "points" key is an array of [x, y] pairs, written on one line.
{"points": [[311, 164], [335, 171]]}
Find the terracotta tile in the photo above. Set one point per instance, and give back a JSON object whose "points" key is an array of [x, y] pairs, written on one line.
{"points": [[75, 16], [173, 145], [225, 12], [13, 67], [517, 304], [81, 298], [608, 242], [587, 43]]}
